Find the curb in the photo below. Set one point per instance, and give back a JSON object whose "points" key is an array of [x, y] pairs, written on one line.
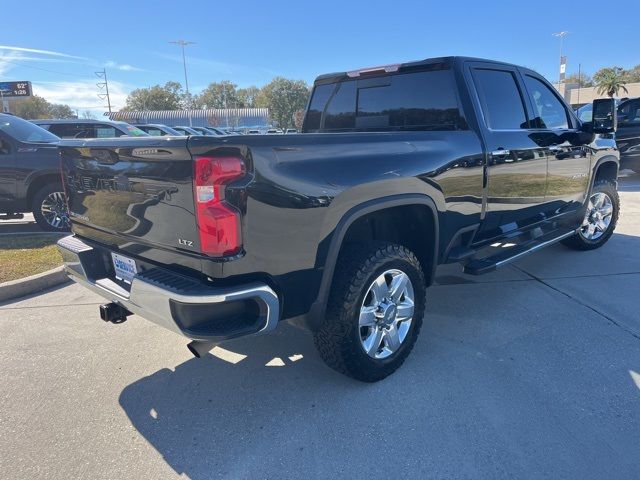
{"points": [[32, 284]]}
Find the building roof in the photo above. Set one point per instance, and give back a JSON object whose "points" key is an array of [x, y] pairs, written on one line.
{"points": [[197, 117]]}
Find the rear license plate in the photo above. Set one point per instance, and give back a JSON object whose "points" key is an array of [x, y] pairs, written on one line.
{"points": [[125, 267]]}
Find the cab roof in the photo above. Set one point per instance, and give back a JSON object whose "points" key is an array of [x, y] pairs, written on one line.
{"points": [[441, 62]]}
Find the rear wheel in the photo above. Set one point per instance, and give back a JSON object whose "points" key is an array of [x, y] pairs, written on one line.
{"points": [[600, 218], [374, 313], [50, 209]]}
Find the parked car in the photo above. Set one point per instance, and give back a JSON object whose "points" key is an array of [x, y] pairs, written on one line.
{"points": [[274, 131], [628, 133], [86, 128], [254, 132], [205, 131], [30, 174], [340, 229], [158, 130], [186, 130], [289, 131]]}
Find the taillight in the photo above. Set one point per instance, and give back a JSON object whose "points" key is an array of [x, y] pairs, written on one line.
{"points": [[218, 222]]}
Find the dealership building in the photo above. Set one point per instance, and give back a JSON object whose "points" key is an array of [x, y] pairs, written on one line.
{"points": [[231, 118]]}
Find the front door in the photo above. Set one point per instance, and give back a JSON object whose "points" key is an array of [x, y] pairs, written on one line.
{"points": [[516, 162], [569, 158]]}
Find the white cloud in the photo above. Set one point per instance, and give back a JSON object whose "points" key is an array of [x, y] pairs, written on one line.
{"points": [[125, 67], [82, 95], [38, 51]]}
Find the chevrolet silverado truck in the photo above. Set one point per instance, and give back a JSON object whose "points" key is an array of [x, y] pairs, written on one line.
{"points": [[30, 174], [340, 229]]}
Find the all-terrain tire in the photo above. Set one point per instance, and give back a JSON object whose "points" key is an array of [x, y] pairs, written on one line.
{"points": [[580, 240], [339, 339], [50, 201]]}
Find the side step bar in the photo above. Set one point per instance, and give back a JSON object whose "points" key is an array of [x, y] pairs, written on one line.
{"points": [[505, 255]]}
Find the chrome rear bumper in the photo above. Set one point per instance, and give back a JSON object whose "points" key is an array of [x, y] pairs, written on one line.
{"points": [[179, 303]]}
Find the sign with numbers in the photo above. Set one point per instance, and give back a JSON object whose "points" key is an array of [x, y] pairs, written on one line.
{"points": [[15, 89]]}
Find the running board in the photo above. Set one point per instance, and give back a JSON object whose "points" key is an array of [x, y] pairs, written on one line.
{"points": [[505, 255]]}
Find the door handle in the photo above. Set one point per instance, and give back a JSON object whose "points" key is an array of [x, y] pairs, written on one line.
{"points": [[501, 152]]}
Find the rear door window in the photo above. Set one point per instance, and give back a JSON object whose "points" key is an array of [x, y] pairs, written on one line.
{"points": [[502, 102]]}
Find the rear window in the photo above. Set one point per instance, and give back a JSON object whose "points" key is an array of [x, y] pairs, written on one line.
{"points": [[409, 101]]}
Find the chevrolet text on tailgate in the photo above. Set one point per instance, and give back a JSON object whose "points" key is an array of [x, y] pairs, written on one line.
{"points": [[340, 229]]}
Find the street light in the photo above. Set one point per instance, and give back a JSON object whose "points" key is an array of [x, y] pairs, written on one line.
{"points": [[561, 36], [184, 43]]}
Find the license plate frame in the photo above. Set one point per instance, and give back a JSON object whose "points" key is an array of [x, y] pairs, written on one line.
{"points": [[125, 268]]}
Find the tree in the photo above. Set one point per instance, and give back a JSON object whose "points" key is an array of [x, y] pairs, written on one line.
{"points": [[633, 74], [582, 79], [283, 97], [610, 80], [247, 97], [37, 107], [58, 110], [298, 118], [167, 97], [218, 95]]}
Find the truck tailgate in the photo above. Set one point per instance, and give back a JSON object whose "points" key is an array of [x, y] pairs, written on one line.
{"points": [[137, 189]]}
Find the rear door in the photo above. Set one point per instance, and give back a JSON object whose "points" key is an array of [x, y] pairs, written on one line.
{"points": [[568, 155], [7, 173], [516, 162]]}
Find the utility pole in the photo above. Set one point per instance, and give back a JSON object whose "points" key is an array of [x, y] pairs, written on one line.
{"points": [[184, 43], [103, 75], [579, 81], [561, 36]]}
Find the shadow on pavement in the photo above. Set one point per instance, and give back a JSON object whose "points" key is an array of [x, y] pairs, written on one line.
{"points": [[213, 417], [486, 382]]}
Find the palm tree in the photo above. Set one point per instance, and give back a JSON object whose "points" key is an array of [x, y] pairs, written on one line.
{"points": [[610, 80]]}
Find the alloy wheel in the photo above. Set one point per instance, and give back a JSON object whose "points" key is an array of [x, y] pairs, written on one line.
{"points": [[386, 314], [54, 210], [598, 216]]}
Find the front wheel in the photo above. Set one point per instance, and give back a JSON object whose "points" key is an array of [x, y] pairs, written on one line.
{"points": [[374, 313], [50, 209], [600, 218]]}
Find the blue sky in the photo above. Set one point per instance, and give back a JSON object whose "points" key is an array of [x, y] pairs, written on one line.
{"points": [[59, 47]]}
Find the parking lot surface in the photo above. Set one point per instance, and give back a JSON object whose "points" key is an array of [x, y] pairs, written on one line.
{"points": [[529, 372]]}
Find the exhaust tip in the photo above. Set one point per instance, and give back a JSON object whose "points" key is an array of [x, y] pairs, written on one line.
{"points": [[200, 348]]}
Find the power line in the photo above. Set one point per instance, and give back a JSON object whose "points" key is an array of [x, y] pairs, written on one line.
{"points": [[43, 69]]}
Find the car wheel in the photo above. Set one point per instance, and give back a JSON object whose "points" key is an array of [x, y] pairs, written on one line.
{"points": [[375, 311], [50, 209], [600, 218]]}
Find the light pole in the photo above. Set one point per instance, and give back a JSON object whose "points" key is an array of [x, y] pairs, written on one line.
{"points": [[560, 35], [184, 43]]}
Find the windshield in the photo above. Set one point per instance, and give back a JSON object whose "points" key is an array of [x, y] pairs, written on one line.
{"points": [[135, 131], [24, 131]]}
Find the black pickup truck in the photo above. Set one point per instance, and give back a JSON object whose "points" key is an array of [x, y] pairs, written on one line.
{"points": [[340, 229], [30, 174]]}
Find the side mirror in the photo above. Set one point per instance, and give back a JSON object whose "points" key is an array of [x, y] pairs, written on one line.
{"points": [[605, 115]]}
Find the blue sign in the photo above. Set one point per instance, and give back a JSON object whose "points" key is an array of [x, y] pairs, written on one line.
{"points": [[15, 89]]}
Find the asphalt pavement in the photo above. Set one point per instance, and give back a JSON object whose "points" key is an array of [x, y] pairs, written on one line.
{"points": [[529, 372]]}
